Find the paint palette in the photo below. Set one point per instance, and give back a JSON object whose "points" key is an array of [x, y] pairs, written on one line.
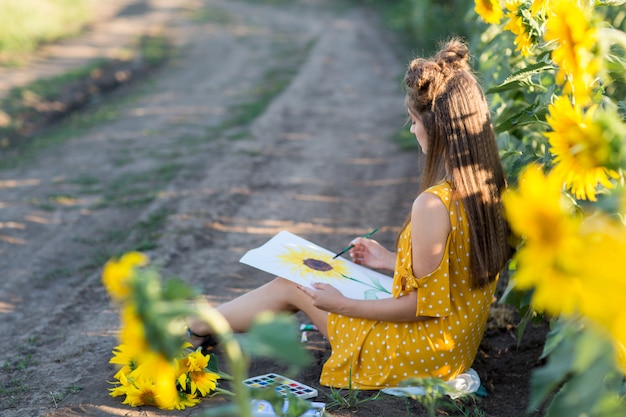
{"points": [[282, 384]]}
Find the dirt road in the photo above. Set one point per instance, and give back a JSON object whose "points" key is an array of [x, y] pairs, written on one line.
{"points": [[186, 172]]}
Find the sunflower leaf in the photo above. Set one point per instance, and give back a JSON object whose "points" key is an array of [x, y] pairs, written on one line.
{"points": [[275, 336]]}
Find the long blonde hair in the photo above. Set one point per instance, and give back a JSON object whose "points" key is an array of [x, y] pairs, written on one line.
{"points": [[444, 93]]}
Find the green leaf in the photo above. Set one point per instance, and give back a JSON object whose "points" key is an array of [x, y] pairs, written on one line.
{"points": [[528, 157], [213, 365], [529, 315], [516, 297], [558, 332], [270, 395], [275, 336], [621, 107], [578, 396], [591, 349], [546, 379], [610, 2], [297, 406], [176, 289], [522, 79], [530, 115], [221, 411], [283, 406], [581, 360]]}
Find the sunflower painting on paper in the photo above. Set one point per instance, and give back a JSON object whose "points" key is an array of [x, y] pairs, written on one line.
{"points": [[291, 257], [309, 263]]}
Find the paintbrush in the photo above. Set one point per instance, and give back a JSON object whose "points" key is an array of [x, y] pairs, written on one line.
{"points": [[351, 246]]}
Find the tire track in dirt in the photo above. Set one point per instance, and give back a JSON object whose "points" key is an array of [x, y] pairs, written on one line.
{"points": [[318, 162]]}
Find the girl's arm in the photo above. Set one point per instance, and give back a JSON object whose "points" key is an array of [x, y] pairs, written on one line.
{"points": [[430, 226], [328, 298]]}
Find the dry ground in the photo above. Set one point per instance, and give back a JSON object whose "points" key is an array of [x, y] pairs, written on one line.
{"points": [[186, 171]]}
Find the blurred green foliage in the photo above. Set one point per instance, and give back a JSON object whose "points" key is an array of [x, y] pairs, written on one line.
{"points": [[424, 23], [26, 24]]}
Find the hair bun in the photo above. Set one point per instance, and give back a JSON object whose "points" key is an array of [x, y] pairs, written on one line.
{"points": [[421, 74], [454, 54], [426, 79]]}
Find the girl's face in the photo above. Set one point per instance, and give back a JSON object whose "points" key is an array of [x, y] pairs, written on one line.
{"points": [[417, 128]]}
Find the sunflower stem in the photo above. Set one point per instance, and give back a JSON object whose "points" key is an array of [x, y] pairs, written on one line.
{"points": [[236, 360], [371, 285], [224, 391]]}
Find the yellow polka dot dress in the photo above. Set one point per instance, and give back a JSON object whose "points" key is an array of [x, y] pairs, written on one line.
{"points": [[382, 354]]}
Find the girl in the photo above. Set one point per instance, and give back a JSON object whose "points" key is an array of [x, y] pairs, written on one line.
{"points": [[448, 255]]}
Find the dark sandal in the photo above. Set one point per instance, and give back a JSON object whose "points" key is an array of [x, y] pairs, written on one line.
{"points": [[209, 342]]}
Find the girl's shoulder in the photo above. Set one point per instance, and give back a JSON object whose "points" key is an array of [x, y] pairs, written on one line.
{"points": [[433, 203], [443, 190]]}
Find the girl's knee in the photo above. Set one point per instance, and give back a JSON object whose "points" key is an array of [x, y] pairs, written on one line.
{"points": [[283, 283]]}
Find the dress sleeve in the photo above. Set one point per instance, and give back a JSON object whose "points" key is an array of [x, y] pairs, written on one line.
{"points": [[433, 290]]}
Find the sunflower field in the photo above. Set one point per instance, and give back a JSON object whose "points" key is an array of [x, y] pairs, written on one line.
{"points": [[555, 75]]}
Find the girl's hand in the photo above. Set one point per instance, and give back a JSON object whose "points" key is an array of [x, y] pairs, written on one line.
{"points": [[370, 253], [325, 297]]}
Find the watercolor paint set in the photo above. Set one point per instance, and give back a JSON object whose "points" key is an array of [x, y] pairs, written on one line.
{"points": [[282, 384]]}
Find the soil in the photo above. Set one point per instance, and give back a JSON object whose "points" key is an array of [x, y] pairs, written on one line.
{"points": [[170, 174]]}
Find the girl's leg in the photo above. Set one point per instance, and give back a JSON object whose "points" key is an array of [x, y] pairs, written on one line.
{"points": [[279, 295]]}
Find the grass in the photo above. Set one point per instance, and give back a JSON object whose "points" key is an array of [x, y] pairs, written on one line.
{"points": [[26, 24], [147, 232], [348, 398], [19, 363], [106, 244], [27, 108], [55, 274], [57, 397], [435, 401], [12, 392], [210, 15], [273, 82], [138, 189]]}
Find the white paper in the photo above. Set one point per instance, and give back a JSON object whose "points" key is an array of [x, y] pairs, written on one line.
{"points": [[296, 259]]}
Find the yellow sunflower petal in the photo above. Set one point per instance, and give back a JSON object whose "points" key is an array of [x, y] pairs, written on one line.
{"points": [[489, 10]]}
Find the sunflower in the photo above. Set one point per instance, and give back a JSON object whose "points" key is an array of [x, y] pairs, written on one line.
{"points": [[558, 288], [123, 385], [141, 392], [194, 377], [580, 148], [489, 10], [522, 25], [186, 400], [312, 263], [117, 273], [605, 242], [133, 331], [550, 257], [161, 373], [538, 210], [539, 7], [127, 358], [570, 26], [604, 286]]}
